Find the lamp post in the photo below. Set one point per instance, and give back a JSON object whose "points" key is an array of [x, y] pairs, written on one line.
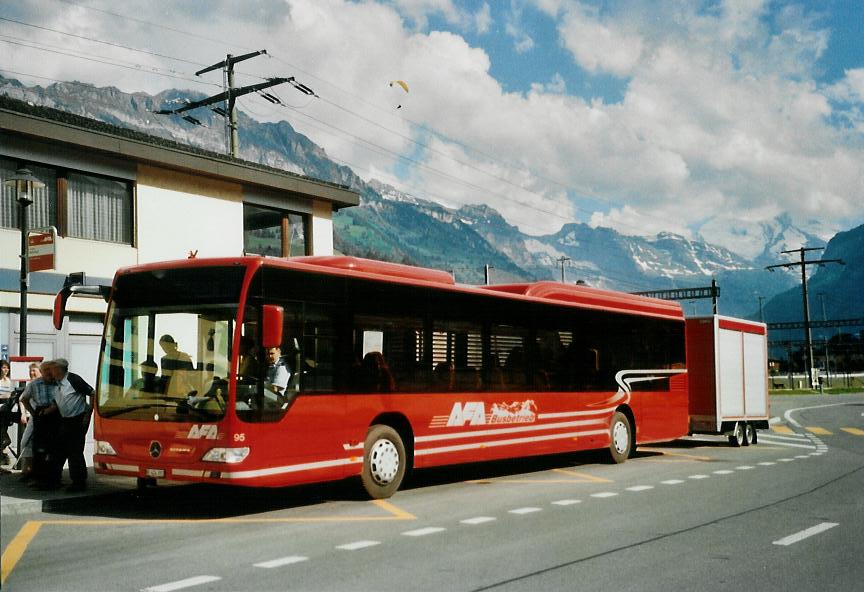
{"points": [[24, 184]]}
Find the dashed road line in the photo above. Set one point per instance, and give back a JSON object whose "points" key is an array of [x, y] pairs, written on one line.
{"points": [[782, 429], [282, 561], [424, 531], [672, 482], [698, 477], [807, 533], [478, 520], [604, 494], [180, 584], [640, 488], [357, 545], [853, 431], [567, 502], [819, 431], [767, 463], [522, 511], [723, 472], [745, 467]]}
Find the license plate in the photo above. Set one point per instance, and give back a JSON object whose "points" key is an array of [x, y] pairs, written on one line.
{"points": [[156, 473]]}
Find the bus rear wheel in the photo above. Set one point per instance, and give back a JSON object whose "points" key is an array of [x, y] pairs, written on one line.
{"points": [[749, 434], [620, 438], [383, 462]]}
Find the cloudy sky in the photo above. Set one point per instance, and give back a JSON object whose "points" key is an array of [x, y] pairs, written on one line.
{"points": [[702, 118]]}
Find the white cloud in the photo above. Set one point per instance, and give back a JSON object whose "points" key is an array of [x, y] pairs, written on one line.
{"points": [[720, 117], [598, 46]]}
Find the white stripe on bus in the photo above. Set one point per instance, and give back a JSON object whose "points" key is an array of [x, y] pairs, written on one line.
{"points": [[511, 442], [510, 430]]}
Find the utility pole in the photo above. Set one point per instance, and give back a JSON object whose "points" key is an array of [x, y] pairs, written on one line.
{"points": [[803, 263], [562, 259], [486, 275], [714, 293], [230, 94], [825, 341]]}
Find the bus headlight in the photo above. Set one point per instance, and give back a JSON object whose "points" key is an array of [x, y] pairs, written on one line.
{"points": [[226, 455], [103, 447]]}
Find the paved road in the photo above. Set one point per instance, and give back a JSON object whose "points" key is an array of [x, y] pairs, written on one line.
{"points": [[689, 515]]}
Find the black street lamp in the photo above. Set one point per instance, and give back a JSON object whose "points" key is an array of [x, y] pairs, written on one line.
{"points": [[24, 184]]}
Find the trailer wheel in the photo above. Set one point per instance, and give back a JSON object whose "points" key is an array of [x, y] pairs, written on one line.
{"points": [[383, 462], [620, 438], [736, 438], [749, 434]]}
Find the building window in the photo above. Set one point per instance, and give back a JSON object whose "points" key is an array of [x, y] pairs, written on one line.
{"points": [[98, 209], [43, 211], [77, 204], [273, 233]]}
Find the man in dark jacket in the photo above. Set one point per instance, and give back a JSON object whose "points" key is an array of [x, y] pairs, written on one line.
{"points": [[72, 397]]}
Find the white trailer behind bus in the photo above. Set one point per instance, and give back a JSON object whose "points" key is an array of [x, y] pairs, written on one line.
{"points": [[727, 362]]}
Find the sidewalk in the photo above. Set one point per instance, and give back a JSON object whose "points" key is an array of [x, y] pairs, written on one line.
{"points": [[23, 498]]}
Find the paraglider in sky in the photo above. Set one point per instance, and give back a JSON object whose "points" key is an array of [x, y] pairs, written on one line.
{"points": [[404, 86]]}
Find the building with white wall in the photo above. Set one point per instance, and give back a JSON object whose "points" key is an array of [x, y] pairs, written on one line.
{"points": [[118, 197]]}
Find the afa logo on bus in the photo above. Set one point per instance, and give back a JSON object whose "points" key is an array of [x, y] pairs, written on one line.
{"points": [[474, 413]]}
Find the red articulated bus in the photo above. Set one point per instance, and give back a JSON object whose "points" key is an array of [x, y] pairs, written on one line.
{"points": [[272, 372]]}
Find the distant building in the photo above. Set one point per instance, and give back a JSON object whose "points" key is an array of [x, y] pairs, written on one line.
{"points": [[119, 197]]}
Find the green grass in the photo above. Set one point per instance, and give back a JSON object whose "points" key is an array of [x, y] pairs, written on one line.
{"points": [[827, 391]]}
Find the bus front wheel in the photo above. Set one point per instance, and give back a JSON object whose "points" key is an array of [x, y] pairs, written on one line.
{"points": [[621, 438], [383, 462]]}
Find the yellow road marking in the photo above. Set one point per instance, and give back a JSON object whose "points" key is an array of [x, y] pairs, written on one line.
{"points": [[583, 476], [782, 429], [819, 431], [16, 548], [854, 431], [675, 454]]}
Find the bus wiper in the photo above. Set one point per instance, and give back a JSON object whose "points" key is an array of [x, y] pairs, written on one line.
{"points": [[122, 410]]}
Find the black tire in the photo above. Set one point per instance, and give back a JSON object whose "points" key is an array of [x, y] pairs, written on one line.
{"points": [[736, 438], [750, 434], [384, 462], [621, 444]]}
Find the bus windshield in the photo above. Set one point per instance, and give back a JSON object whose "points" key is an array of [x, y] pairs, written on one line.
{"points": [[168, 359]]}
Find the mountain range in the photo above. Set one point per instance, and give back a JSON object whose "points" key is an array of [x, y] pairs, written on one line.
{"points": [[394, 226]]}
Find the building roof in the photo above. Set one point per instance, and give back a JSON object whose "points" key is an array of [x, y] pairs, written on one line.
{"points": [[45, 123]]}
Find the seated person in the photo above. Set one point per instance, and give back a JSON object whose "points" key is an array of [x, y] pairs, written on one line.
{"points": [[278, 373], [174, 359], [149, 383]]}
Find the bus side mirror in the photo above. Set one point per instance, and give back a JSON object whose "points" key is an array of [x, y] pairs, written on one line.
{"points": [[271, 326], [60, 307]]}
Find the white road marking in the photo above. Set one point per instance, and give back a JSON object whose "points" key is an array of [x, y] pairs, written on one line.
{"points": [[767, 463], [604, 494], [785, 460], [800, 536], [789, 437], [698, 477], [788, 414], [745, 467], [478, 520], [770, 440], [180, 584], [802, 456], [640, 488], [567, 502], [723, 472], [424, 531], [282, 561], [672, 482], [529, 510], [357, 545]]}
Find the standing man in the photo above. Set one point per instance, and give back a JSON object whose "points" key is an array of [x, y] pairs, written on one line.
{"points": [[72, 394], [38, 399]]}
